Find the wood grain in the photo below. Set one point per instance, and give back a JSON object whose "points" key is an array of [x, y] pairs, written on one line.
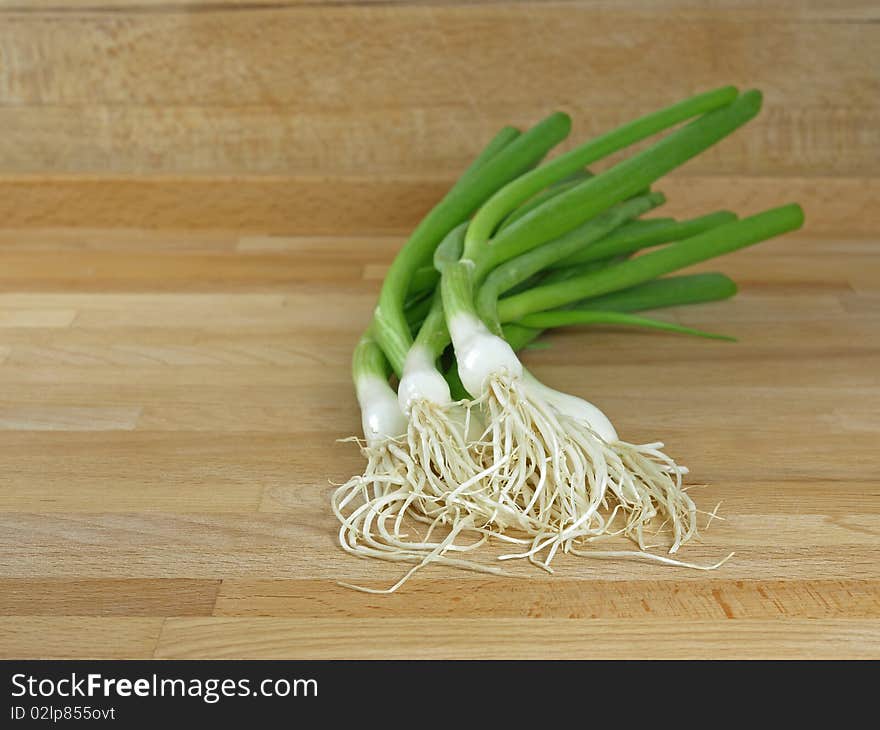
{"points": [[499, 638], [562, 598], [355, 205], [182, 86], [275, 139], [303, 56], [167, 453], [76, 637], [107, 597], [843, 10], [199, 199]]}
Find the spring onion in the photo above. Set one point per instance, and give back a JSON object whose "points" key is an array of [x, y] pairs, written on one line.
{"points": [[486, 451]]}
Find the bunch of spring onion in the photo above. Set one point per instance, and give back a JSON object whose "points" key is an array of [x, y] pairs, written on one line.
{"points": [[470, 446]]}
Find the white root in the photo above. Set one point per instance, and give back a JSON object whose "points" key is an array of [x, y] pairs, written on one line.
{"points": [[537, 478], [655, 479], [644, 483], [642, 555], [438, 442], [372, 509]]}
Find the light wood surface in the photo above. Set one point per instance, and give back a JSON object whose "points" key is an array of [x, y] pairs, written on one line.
{"points": [[336, 87], [352, 205], [199, 199], [170, 407]]}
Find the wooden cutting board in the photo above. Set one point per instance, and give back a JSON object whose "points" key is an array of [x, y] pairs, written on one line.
{"points": [[170, 408], [190, 249]]}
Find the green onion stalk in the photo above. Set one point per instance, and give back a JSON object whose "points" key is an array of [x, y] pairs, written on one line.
{"points": [[558, 460], [516, 460], [424, 396]]}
